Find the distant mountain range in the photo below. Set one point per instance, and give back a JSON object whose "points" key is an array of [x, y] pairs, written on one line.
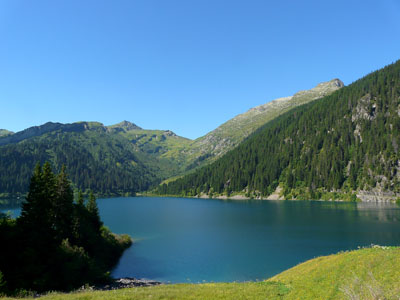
{"points": [[124, 158], [343, 146]]}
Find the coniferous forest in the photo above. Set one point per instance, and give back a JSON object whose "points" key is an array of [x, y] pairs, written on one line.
{"points": [[94, 159], [345, 142], [57, 243]]}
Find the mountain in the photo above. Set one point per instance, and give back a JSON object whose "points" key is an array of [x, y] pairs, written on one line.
{"points": [[233, 132], [345, 145], [125, 158], [117, 159], [5, 132]]}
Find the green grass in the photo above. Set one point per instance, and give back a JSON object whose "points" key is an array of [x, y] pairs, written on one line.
{"points": [[371, 273], [357, 271], [211, 291]]}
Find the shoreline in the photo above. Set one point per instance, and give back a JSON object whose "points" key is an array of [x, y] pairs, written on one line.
{"points": [[239, 197], [122, 283]]}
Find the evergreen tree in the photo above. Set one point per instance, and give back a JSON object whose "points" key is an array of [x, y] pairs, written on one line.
{"points": [[94, 211], [35, 216], [80, 200], [62, 208], [38, 234]]}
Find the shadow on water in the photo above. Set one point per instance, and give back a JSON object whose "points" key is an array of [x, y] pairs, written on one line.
{"points": [[140, 266]]}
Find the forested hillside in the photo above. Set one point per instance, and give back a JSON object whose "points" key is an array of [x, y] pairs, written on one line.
{"points": [[94, 159], [230, 134], [114, 160], [344, 143]]}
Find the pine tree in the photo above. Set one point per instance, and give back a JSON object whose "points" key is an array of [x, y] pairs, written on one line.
{"points": [[80, 200], [62, 206], [38, 235], [35, 214], [92, 204], [94, 211]]}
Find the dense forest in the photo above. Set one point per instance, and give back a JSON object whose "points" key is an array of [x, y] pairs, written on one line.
{"points": [[95, 159], [57, 243], [345, 142]]}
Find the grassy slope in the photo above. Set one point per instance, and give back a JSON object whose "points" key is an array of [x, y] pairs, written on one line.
{"points": [[325, 277], [362, 272], [159, 149]]}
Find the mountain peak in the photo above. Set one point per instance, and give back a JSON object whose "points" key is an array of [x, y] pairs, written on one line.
{"points": [[321, 90], [337, 82], [125, 125], [334, 83]]}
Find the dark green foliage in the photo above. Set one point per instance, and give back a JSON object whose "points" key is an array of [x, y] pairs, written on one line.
{"points": [[346, 141], [92, 205], [80, 199], [94, 159], [56, 244], [2, 284]]}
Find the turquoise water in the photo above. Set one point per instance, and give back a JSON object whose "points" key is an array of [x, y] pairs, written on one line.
{"points": [[196, 240]]}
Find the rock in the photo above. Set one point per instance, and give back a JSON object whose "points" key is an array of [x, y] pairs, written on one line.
{"points": [[126, 282]]}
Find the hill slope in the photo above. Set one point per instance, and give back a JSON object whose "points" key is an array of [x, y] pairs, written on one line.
{"points": [[233, 132], [110, 160], [362, 274], [344, 143], [163, 150]]}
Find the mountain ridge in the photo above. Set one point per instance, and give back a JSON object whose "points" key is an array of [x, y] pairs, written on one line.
{"points": [[342, 146], [231, 133]]}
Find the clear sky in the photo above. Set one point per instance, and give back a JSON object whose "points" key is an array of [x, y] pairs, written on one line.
{"points": [[183, 65]]}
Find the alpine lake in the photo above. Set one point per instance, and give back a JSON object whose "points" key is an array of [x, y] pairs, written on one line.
{"points": [[210, 240]]}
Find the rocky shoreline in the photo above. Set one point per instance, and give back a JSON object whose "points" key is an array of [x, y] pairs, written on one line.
{"points": [[126, 282]]}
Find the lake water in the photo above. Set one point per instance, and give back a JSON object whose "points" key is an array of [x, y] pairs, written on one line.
{"points": [[196, 240]]}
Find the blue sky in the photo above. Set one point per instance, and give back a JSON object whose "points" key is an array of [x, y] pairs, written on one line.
{"points": [[186, 65]]}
